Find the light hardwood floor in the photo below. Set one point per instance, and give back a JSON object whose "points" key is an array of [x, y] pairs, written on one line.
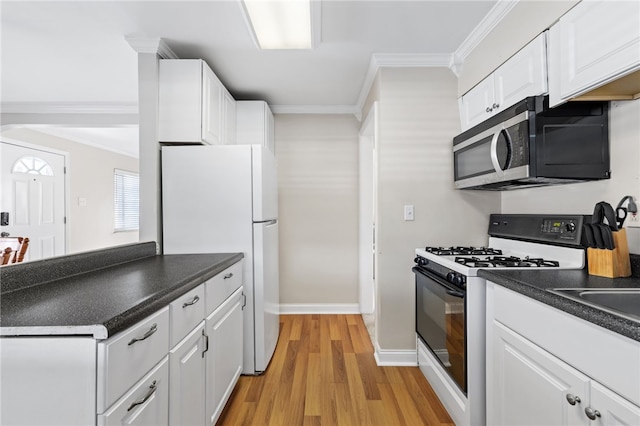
{"points": [[323, 373]]}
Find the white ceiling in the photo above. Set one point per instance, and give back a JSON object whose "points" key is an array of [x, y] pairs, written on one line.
{"points": [[75, 52]]}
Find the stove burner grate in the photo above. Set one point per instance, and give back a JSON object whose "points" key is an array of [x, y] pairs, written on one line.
{"points": [[460, 250], [506, 262]]}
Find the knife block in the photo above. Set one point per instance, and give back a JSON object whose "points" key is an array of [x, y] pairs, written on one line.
{"points": [[611, 263]]}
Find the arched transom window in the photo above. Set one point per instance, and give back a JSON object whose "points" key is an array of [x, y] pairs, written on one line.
{"points": [[32, 166]]}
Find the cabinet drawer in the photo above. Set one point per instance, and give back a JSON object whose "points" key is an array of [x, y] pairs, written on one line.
{"points": [[220, 287], [185, 313], [127, 356], [145, 404]]}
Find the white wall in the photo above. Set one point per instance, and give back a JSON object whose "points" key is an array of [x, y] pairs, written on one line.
{"points": [[624, 133], [318, 208], [418, 119], [91, 177]]}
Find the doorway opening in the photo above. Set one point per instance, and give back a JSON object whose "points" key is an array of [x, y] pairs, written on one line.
{"points": [[367, 224]]}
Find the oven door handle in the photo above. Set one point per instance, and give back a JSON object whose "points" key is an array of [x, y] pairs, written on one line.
{"points": [[448, 289]]}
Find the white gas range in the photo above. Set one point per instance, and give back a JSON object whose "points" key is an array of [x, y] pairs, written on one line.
{"points": [[450, 300]]}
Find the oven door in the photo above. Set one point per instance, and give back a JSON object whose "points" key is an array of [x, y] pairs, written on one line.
{"points": [[440, 323], [493, 155]]}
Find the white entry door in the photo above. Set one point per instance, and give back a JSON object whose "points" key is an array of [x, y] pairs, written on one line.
{"points": [[32, 194]]}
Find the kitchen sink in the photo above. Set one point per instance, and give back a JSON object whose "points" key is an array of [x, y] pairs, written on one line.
{"points": [[624, 302]]}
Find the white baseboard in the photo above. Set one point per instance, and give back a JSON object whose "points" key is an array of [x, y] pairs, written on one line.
{"points": [[319, 308], [396, 358]]}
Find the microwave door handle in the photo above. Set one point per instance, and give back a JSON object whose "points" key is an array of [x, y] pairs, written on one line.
{"points": [[494, 153]]}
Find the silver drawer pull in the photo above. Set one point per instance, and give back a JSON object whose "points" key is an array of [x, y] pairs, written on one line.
{"points": [[229, 275], [152, 389], [146, 335], [193, 302]]}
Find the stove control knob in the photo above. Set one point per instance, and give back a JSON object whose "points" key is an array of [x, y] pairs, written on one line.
{"points": [[456, 278], [421, 261], [570, 227]]}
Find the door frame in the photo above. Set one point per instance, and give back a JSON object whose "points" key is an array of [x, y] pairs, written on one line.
{"points": [[367, 142], [67, 178]]}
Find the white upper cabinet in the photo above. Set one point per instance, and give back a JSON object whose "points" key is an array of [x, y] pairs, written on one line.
{"points": [[524, 74], [594, 52], [194, 106], [255, 124]]}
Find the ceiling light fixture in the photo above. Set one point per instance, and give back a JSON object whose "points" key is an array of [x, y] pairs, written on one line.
{"points": [[280, 24]]}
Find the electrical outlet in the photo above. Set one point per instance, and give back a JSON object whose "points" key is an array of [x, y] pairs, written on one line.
{"points": [[633, 220]]}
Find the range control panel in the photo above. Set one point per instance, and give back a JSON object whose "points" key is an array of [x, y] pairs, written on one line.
{"points": [[561, 229]]}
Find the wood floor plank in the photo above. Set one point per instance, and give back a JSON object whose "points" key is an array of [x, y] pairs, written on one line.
{"points": [[356, 389], [313, 392], [324, 373]]}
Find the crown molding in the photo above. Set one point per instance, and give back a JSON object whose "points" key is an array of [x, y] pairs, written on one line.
{"points": [[314, 109], [68, 108], [493, 18], [150, 45], [397, 60]]}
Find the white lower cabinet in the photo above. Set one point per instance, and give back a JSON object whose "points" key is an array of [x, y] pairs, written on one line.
{"points": [[187, 374], [611, 408], [134, 377], [146, 403], [224, 359], [531, 385]]}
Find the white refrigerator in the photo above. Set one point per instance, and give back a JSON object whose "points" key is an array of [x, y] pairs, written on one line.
{"points": [[222, 199]]}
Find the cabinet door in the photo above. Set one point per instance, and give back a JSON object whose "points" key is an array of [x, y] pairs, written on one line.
{"points": [[597, 41], [613, 409], [225, 356], [530, 386], [187, 370], [211, 106], [180, 100], [145, 404], [524, 74], [477, 104]]}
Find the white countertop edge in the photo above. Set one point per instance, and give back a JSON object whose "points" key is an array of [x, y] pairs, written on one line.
{"points": [[97, 331]]}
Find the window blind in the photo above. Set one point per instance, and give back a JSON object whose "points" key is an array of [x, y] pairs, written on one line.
{"points": [[126, 189]]}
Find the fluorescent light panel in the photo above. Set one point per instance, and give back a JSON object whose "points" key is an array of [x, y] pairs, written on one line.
{"points": [[281, 24]]}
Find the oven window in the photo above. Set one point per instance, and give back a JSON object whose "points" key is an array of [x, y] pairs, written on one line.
{"points": [[440, 323], [473, 160]]}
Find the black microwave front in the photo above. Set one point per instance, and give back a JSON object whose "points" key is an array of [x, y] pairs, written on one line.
{"points": [[530, 144]]}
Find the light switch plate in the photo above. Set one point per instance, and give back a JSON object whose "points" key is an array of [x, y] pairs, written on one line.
{"points": [[408, 212]]}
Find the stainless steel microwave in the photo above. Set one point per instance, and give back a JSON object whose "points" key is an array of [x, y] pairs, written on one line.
{"points": [[530, 144]]}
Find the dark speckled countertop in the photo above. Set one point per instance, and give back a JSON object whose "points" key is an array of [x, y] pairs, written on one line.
{"points": [[102, 297], [536, 283]]}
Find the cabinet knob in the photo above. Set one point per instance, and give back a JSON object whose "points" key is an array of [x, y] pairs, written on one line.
{"points": [[573, 399], [591, 413], [229, 275], [489, 109], [494, 106]]}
